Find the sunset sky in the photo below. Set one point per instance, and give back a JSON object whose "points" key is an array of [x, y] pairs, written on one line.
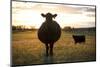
{"points": [[29, 14]]}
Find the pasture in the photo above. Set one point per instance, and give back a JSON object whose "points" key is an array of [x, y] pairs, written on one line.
{"points": [[27, 49]]}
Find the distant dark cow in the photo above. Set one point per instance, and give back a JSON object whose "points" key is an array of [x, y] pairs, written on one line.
{"points": [[79, 38]]}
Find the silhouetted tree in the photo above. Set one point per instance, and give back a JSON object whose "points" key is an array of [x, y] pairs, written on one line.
{"points": [[67, 28]]}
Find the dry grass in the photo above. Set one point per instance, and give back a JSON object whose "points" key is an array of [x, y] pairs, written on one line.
{"points": [[27, 49]]}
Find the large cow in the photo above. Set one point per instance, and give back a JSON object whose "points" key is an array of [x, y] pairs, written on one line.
{"points": [[49, 32]]}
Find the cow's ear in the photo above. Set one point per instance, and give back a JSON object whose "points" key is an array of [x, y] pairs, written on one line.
{"points": [[43, 15], [54, 15]]}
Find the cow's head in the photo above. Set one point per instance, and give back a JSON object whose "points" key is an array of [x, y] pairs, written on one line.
{"points": [[49, 16]]}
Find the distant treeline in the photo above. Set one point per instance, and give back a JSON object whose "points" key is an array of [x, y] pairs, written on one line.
{"points": [[67, 29], [22, 28]]}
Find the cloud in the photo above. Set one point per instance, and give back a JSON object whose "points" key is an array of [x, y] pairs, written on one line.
{"points": [[44, 7], [91, 15], [90, 9], [87, 8]]}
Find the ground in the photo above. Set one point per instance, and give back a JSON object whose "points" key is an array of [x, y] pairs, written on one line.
{"points": [[28, 49]]}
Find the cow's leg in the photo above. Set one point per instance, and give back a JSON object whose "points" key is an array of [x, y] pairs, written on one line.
{"points": [[75, 42], [47, 48], [51, 49]]}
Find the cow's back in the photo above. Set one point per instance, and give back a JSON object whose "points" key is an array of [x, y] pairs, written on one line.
{"points": [[49, 32]]}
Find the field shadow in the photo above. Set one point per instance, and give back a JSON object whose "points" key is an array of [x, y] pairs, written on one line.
{"points": [[48, 60]]}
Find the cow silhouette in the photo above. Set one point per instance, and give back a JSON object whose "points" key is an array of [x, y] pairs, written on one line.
{"points": [[49, 32], [79, 38]]}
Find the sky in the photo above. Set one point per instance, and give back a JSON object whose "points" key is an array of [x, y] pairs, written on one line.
{"points": [[29, 14]]}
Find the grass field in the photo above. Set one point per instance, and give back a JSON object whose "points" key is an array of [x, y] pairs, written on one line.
{"points": [[27, 49]]}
